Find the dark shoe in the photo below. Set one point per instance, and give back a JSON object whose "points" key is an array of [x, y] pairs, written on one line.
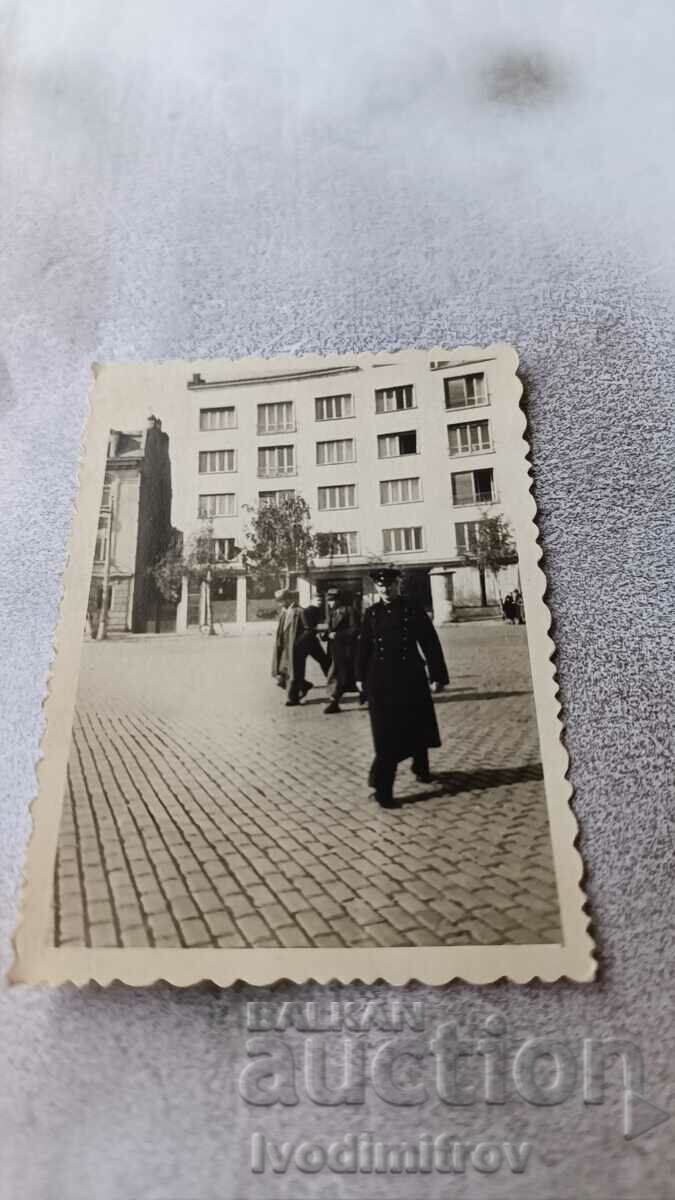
{"points": [[306, 687], [387, 801], [425, 778], [292, 704], [363, 699], [333, 707]]}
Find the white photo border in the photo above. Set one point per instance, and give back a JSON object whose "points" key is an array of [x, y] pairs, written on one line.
{"points": [[36, 962]]}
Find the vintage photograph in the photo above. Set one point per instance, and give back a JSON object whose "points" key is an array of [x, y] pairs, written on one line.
{"points": [[304, 707]]}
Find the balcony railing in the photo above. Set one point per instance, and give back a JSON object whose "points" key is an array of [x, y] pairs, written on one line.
{"points": [[276, 472], [477, 498], [467, 402], [459, 453], [279, 427]]}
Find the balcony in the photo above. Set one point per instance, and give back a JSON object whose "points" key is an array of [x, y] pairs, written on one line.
{"points": [[476, 498], [468, 402], [486, 448], [281, 427], [276, 472]]}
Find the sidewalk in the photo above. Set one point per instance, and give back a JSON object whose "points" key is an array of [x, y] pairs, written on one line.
{"points": [[201, 811]]}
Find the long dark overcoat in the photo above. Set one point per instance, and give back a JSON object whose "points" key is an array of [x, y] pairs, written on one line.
{"points": [[395, 681], [343, 625]]}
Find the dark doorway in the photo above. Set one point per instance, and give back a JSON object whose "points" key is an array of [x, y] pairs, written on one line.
{"points": [[224, 599], [416, 586]]}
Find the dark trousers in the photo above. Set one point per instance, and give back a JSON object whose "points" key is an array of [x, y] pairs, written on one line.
{"points": [[342, 676], [383, 771], [306, 646]]}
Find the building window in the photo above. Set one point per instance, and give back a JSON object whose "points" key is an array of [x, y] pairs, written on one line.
{"points": [[276, 418], [217, 418], [400, 491], [391, 445], [217, 504], [223, 549], [466, 536], [329, 453], [395, 399], [465, 391], [213, 462], [337, 545], [471, 438], [398, 541], [341, 496], [265, 498], [473, 487], [334, 408], [125, 445], [106, 494], [276, 460], [101, 546]]}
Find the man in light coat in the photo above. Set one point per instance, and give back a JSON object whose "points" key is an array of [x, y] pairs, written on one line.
{"points": [[293, 642], [287, 627]]}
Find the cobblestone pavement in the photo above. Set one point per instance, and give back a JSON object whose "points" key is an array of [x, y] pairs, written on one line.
{"points": [[200, 811]]}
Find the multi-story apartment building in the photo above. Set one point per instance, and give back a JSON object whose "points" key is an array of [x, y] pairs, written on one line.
{"points": [[395, 466], [134, 529]]}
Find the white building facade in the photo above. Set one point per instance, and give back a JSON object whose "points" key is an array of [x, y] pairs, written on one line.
{"points": [[397, 461]]}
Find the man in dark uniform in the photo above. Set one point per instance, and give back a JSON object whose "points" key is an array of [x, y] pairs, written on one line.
{"points": [[395, 681], [343, 636]]}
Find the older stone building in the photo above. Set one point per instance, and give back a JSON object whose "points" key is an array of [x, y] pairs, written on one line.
{"points": [[134, 529]]}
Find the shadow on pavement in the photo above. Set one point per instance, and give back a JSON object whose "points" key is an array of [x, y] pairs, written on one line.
{"points": [[452, 783], [454, 695], [468, 694]]}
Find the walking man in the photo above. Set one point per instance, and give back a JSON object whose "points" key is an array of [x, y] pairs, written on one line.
{"points": [[394, 678], [306, 645], [519, 613], [290, 618], [509, 609], [343, 636]]}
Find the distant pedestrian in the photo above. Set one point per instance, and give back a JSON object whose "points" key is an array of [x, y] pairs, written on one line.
{"points": [[519, 608], [343, 636], [509, 609], [394, 678]]}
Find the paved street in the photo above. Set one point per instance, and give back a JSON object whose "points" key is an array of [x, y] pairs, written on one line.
{"points": [[200, 811]]}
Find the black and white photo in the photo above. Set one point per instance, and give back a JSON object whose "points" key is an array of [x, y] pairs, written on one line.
{"points": [[314, 708]]}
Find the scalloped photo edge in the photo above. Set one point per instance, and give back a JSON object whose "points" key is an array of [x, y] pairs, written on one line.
{"points": [[125, 397]]}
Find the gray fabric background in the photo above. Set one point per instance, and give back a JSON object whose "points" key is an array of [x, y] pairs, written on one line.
{"points": [[229, 178]]}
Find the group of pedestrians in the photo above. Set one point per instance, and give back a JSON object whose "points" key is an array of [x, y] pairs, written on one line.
{"points": [[297, 639], [512, 608], [390, 655]]}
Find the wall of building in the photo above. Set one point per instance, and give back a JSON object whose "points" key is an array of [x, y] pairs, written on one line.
{"points": [[435, 512], [154, 528], [124, 490], [466, 587], [125, 493]]}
